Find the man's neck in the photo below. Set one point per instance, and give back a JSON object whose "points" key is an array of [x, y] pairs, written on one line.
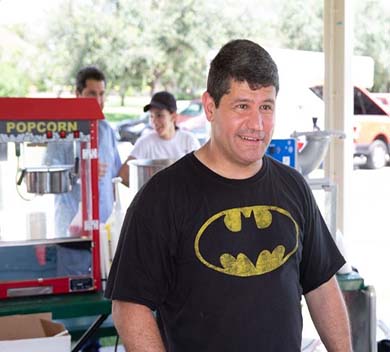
{"points": [[225, 167], [169, 135]]}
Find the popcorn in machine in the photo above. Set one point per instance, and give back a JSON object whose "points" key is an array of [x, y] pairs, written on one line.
{"points": [[48, 163]]}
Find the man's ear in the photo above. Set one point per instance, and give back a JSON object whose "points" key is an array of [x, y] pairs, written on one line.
{"points": [[174, 116], [208, 105]]}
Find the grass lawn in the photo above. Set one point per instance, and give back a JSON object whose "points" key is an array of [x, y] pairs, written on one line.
{"points": [[132, 109], [113, 116]]}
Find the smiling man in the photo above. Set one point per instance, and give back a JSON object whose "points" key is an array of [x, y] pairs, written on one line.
{"points": [[223, 244]]}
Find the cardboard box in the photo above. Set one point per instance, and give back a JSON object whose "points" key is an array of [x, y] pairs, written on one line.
{"points": [[33, 333]]}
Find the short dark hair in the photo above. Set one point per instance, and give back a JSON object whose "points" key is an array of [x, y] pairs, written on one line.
{"points": [[86, 73], [241, 60]]}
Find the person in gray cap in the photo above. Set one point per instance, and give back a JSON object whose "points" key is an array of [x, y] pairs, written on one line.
{"points": [[166, 141]]}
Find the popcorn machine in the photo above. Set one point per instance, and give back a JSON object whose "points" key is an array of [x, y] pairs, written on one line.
{"points": [[49, 209]]}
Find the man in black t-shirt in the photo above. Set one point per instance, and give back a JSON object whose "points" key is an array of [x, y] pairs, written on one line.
{"points": [[223, 244]]}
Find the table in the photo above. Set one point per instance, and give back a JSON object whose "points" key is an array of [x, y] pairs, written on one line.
{"points": [[79, 312]]}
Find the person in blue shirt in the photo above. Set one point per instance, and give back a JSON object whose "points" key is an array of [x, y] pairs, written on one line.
{"points": [[90, 82]]}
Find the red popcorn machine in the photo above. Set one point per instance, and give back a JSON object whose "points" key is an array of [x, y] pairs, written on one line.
{"points": [[49, 208]]}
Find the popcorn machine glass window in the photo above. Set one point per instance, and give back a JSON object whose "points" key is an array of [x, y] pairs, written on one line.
{"points": [[49, 222]]}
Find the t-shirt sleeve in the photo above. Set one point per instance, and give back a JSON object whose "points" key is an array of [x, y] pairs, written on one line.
{"points": [[142, 270], [139, 150], [194, 143], [321, 258]]}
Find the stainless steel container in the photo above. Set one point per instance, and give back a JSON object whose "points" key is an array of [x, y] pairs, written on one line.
{"points": [[141, 170], [315, 149], [48, 179]]}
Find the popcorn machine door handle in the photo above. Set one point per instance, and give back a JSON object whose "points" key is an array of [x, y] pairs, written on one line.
{"points": [[75, 174], [19, 181], [76, 165]]}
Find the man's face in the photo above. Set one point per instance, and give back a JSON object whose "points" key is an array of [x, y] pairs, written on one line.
{"points": [[93, 89], [163, 122], [242, 125]]}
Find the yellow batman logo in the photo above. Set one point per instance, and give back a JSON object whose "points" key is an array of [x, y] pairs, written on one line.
{"points": [[241, 265]]}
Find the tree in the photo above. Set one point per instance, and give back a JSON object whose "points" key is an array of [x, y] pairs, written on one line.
{"points": [[13, 82], [15, 56], [137, 43], [372, 38], [148, 45], [86, 34], [172, 47], [301, 24]]}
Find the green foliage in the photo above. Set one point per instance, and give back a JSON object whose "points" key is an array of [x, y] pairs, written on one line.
{"points": [[13, 82], [372, 38], [16, 55], [144, 44], [301, 25], [117, 116], [148, 45]]}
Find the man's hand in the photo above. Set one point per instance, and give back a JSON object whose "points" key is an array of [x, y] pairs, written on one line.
{"points": [[124, 171]]}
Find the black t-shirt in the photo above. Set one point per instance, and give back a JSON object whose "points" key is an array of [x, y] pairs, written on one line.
{"points": [[224, 262]]}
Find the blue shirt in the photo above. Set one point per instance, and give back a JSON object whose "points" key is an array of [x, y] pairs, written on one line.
{"points": [[66, 204]]}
